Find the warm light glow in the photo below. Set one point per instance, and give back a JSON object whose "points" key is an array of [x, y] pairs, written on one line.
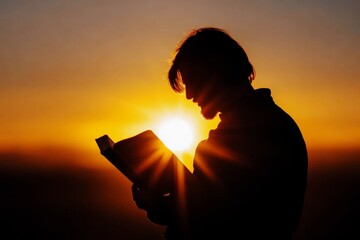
{"points": [[176, 133]]}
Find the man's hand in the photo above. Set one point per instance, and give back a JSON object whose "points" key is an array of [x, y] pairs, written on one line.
{"points": [[155, 205], [144, 199]]}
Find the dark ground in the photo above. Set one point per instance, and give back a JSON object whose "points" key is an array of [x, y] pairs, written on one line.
{"points": [[74, 202]]}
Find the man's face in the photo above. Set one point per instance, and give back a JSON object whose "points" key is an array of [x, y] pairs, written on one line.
{"points": [[202, 91]]}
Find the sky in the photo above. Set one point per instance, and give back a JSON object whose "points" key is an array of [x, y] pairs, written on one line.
{"points": [[71, 71]]}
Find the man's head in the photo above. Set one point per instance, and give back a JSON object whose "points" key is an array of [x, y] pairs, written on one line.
{"points": [[209, 65]]}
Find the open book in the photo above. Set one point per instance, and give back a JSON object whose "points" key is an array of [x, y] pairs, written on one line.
{"points": [[146, 161]]}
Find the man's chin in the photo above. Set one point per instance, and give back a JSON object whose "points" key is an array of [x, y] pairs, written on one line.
{"points": [[208, 114]]}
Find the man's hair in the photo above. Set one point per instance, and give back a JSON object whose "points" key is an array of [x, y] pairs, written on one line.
{"points": [[210, 50]]}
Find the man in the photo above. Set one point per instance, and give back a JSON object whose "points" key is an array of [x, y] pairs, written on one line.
{"points": [[250, 175]]}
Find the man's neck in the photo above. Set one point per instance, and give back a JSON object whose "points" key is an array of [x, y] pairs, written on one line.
{"points": [[234, 97]]}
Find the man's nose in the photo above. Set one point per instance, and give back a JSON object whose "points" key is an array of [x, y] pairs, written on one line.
{"points": [[189, 95]]}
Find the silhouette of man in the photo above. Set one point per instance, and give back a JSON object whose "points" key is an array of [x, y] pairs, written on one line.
{"points": [[250, 174]]}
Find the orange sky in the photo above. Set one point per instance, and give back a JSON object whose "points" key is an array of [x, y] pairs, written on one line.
{"points": [[72, 71]]}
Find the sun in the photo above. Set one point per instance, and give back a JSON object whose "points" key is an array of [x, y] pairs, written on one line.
{"points": [[177, 133]]}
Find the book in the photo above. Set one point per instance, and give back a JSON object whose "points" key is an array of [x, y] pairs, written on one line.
{"points": [[145, 161]]}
